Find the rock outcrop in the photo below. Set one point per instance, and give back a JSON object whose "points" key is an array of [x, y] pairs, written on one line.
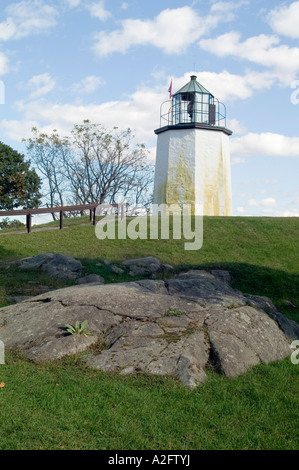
{"points": [[56, 265], [179, 327]]}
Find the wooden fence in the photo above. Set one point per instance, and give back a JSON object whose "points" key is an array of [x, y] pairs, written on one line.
{"points": [[62, 209]]}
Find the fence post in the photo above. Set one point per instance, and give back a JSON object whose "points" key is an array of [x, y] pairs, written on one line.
{"points": [[28, 222], [61, 220]]}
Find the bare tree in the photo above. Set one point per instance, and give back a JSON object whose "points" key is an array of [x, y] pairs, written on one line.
{"points": [[105, 163], [92, 165], [48, 152], [139, 190]]}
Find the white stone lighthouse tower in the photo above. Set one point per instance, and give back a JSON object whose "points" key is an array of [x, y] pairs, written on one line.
{"points": [[193, 158]]}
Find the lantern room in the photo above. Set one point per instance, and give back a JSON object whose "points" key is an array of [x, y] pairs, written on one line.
{"points": [[193, 104]]}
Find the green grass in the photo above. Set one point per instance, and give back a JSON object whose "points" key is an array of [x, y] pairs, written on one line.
{"points": [[260, 253], [63, 405]]}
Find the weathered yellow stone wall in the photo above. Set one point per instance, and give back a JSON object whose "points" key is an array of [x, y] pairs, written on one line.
{"points": [[193, 167]]}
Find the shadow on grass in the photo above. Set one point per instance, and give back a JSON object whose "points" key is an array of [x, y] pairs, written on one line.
{"points": [[280, 286], [5, 253]]}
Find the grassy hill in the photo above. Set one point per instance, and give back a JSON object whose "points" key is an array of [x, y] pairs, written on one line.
{"points": [[63, 405]]}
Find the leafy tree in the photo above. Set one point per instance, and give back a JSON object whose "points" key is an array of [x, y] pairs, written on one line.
{"points": [[19, 184], [6, 223]]}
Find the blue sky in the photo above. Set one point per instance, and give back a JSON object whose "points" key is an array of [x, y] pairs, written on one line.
{"points": [[112, 62]]}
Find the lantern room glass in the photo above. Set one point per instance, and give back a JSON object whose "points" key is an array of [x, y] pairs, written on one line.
{"points": [[192, 107]]}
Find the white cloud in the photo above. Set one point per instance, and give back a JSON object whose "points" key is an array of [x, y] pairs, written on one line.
{"points": [[236, 160], [291, 212], [269, 202], [285, 20], [263, 50], [17, 130], [236, 126], [27, 17], [152, 155], [87, 85], [40, 85], [227, 86], [172, 30], [288, 213], [3, 63], [265, 144], [73, 3], [7, 30], [140, 112], [270, 181], [98, 10]]}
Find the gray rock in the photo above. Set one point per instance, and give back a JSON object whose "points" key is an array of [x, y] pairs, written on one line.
{"points": [[190, 373], [63, 267], [289, 327], [61, 347], [262, 302], [91, 279], [137, 270], [56, 265], [145, 262], [243, 337], [153, 286], [35, 262], [178, 327], [167, 267], [116, 269], [221, 275], [153, 267], [150, 266], [143, 266]]}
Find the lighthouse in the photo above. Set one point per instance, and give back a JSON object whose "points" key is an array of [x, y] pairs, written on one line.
{"points": [[193, 157]]}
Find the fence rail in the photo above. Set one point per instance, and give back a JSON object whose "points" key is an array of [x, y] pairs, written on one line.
{"points": [[61, 209]]}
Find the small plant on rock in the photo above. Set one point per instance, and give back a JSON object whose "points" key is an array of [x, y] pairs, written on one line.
{"points": [[80, 328], [174, 312]]}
